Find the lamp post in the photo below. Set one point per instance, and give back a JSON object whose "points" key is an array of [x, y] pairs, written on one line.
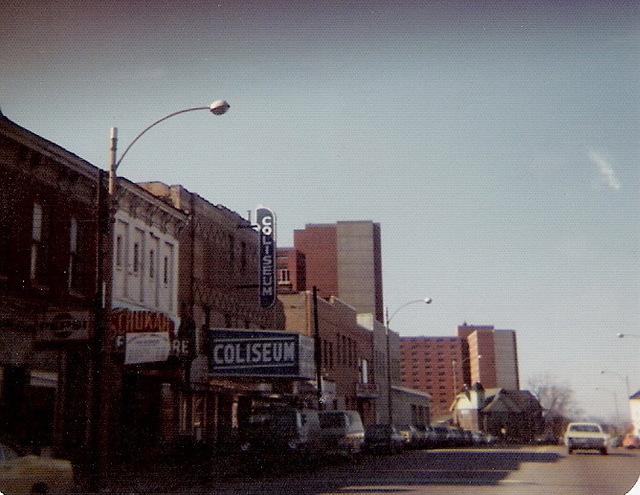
{"points": [[388, 319], [615, 402], [101, 376], [622, 335], [625, 378]]}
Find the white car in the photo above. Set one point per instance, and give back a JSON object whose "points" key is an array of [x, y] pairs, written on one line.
{"points": [[33, 474], [586, 436]]}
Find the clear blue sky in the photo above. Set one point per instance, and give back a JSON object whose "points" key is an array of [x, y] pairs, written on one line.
{"points": [[497, 144]]}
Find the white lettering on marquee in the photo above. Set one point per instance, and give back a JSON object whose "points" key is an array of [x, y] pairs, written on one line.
{"points": [[254, 353]]}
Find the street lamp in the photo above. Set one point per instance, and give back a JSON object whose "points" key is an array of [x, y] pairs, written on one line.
{"points": [[218, 107], [622, 335], [101, 377], [388, 319]]}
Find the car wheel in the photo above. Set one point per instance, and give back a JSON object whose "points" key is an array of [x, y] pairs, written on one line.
{"points": [[604, 451], [570, 451], [40, 488]]}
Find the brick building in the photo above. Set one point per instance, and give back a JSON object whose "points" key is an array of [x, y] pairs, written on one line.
{"points": [[443, 366], [343, 260], [218, 289], [48, 253], [346, 350], [436, 365], [493, 356]]}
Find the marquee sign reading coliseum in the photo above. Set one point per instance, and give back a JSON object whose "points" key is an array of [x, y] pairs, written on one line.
{"points": [[254, 353]]}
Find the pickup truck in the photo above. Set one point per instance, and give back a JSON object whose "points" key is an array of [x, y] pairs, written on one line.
{"points": [[586, 436]]}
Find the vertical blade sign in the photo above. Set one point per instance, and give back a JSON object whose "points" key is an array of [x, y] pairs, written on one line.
{"points": [[267, 228]]}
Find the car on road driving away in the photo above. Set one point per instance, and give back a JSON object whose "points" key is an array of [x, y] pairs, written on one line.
{"points": [[586, 436], [33, 474]]}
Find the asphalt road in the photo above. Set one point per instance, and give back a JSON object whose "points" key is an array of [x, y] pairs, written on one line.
{"points": [[532, 470]]}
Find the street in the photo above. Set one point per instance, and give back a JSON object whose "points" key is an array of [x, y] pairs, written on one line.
{"points": [[530, 470]]}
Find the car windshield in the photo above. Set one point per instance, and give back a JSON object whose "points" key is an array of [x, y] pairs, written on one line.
{"points": [[283, 420], [332, 420], [378, 429], [7, 453], [586, 428]]}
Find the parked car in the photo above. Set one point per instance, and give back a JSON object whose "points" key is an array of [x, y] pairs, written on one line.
{"points": [[410, 435], [441, 436], [586, 436], [630, 441], [456, 437], [616, 441], [383, 438], [277, 431], [342, 433], [467, 437], [546, 438], [479, 438], [20, 473], [424, 436]]}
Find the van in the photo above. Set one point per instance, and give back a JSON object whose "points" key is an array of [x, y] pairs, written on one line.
{"points": [[342, 433], [277, 431]]}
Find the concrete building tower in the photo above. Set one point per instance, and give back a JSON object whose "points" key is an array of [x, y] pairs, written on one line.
{"points": [[344, 260]]}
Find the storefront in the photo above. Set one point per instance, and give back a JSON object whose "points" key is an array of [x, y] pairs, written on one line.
{"points": [[44, 362], [148, 382]]}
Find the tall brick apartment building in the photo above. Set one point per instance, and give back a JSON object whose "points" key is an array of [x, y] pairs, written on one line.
{"points": [[435, 365], [442, 366]]}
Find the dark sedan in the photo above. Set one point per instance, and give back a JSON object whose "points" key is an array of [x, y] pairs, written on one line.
{"points": [[383, 438]]}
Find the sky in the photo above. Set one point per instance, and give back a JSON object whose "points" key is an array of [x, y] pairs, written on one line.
{"points": [[496, 143]]}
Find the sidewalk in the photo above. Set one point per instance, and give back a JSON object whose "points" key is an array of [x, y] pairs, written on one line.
{"points": [[166, 477]]}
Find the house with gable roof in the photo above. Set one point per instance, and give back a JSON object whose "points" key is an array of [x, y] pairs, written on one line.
{"points": [[514, 415]]}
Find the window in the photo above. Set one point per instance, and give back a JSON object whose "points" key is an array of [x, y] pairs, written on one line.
{"points": [[119, 251], [74, 256], [232, 249], [243, 255], [167, 263], [284, 275], [37, 244], [331, 355], [5, 240], [152, 263], [136, 257]]}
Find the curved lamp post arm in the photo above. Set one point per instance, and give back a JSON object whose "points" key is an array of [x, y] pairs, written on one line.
{"points": [[141, 133], [427, 300], [218, 107]]}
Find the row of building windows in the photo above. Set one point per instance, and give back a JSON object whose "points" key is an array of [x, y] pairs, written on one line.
{"points": [[39, 250], [137, 264], [346, 352]]}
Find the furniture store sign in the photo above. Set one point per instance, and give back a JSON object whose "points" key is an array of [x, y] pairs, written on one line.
{"points": [[146, 336], [261, 353]]}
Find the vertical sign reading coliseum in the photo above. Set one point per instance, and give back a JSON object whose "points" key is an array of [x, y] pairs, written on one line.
{"points": [[266, 221]]}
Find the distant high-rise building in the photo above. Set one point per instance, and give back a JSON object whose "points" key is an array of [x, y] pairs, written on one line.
{"points": [[493, 355], [436, 365], [443, 366], [343, 260]]}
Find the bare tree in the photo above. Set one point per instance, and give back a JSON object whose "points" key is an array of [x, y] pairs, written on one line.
{"points": [[555, 397]]}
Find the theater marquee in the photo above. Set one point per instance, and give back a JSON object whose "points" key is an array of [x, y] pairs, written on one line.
{"points": [[261, 353]]}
